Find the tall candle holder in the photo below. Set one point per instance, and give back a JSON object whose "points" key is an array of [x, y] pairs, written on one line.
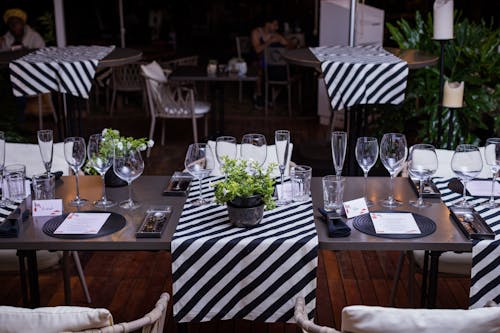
{"points": [[442, 43]]}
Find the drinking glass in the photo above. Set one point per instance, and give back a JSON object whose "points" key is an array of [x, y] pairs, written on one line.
{"points": [[282, 144], [15, 175], [128, 166], [492, 158], [101, 159], [366, 155], [393, 153], [199, 163], [466, 163], [333, 193], [339, 145], [225, 146], [46, 145], [422, 164], [74, 153], [254, 148], [3, 201]]}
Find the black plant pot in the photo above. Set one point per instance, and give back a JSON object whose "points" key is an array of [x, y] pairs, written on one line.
{"points": [[112, 180], [246, 212], [247, 202]]}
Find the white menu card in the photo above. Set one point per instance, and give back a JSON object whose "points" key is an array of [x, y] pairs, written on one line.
{"points": [[82, 223], [394, 223]]}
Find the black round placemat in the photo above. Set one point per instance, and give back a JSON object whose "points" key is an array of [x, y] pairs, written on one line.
{"points": [[364, 224], [456, 186], [114, 223]]}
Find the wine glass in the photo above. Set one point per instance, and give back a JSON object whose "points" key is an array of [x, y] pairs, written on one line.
{"points": [[74, 153], [46, 145], [199, 163], [254, 148], [422, 164], [466, 163], [128, 165], [282, 144], [225, 146], [492, 158], [366, 155], [393, 153], [100, 156], [339, 145], [3, 202]]}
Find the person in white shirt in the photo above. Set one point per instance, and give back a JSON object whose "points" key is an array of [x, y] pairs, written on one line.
{"points": [[20, 35]]}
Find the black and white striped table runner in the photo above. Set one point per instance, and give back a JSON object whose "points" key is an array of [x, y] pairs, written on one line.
{"points": [[485, 274], [362, 75], [7, 210], [224, 272], [67, 70]]}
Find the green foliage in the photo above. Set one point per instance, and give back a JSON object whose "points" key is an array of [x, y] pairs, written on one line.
{"points": [[243, 180], [471, 57]]}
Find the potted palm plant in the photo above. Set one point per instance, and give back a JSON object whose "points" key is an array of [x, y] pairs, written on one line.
{"points": [[247, 190]]}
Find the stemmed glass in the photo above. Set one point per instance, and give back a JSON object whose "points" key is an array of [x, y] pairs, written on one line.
{"points": [[422, 164], [466, 163], [128, 165], [3, 201], [46, 145], [393, 153], [492, 158], [100, 156], [282, 144], [366, 155], [339, 145], [199, 163], [225, 146], [254, 148], [74, 153]]}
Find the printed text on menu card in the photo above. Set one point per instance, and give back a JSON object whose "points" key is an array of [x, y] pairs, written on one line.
{"points": [[394, 223]]}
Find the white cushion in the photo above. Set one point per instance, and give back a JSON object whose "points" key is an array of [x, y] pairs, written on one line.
{"points": [[29, 155], [154, 71], [444, 164], [449, 262], [375, 319], [9, 261], [201, 107], [270, 158], [52, 319]]}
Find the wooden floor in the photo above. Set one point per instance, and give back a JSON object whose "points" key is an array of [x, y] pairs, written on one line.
{"points": [[129, 283]]}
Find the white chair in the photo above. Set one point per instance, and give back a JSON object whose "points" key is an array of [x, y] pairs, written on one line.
{"points": [[75, 319], [450, 263], [376, 319], [243, 47], [127, 79], [277, 73], [171, 102]]}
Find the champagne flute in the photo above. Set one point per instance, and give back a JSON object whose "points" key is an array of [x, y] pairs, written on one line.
{"points": [[254, 148], [199, 164], [366, 155], [466, 163], [74, 153], [100, 156], [128, 165], [492, 158], [282, 144], [46, 145], [339, 146], [422, 164], [3, 202], [393, 153], [225, 146]]}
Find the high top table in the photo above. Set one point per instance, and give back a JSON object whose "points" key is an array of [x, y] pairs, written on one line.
{"points": [[148, 189]]}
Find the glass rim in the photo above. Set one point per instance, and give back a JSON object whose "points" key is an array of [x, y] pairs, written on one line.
{"points": [[15, 167], [492, 140], [422, 145], [333, 178], [366, 139], [467, 148], [254, 135], [43, 176], [44, 131], [225, 138]]}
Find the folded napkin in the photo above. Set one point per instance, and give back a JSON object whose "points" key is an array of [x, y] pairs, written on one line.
{"points": [[336, 227], [9, 228]]}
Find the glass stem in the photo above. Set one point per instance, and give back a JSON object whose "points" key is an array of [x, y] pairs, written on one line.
{"points": [[2, 186], [103, 199], [77, 186], [391, 190], [464, 196], [130, 201], [200, 196], [282, 172], [420, 201], [366, 180], [492, 198]]}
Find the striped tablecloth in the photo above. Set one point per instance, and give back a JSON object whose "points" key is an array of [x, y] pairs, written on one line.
{"points": [[362, 75], [224, 272], [485, 274], [64, 69]]}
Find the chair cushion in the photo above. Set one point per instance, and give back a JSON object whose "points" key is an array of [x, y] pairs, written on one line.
{"points": [[444, 165], [375, 319], [154, 71], [52, 319], [201, 107], [449, 262], [29, 155], [270, 158]]}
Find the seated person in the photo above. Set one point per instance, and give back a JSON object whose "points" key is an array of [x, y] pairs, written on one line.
{"points": [[261, 38], [20, 35]]}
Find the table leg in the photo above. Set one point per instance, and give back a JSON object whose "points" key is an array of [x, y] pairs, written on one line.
{"points": [[433, 279], [66, 279], [33, 278], [22, 276], [425, 269]]}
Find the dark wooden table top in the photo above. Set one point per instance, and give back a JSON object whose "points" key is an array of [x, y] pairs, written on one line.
{"points": [[199, 73], [414, 58], [148, 189]]}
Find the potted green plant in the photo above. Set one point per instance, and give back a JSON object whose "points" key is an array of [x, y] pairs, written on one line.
{"points": [[246, 190], [112, 139]]}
